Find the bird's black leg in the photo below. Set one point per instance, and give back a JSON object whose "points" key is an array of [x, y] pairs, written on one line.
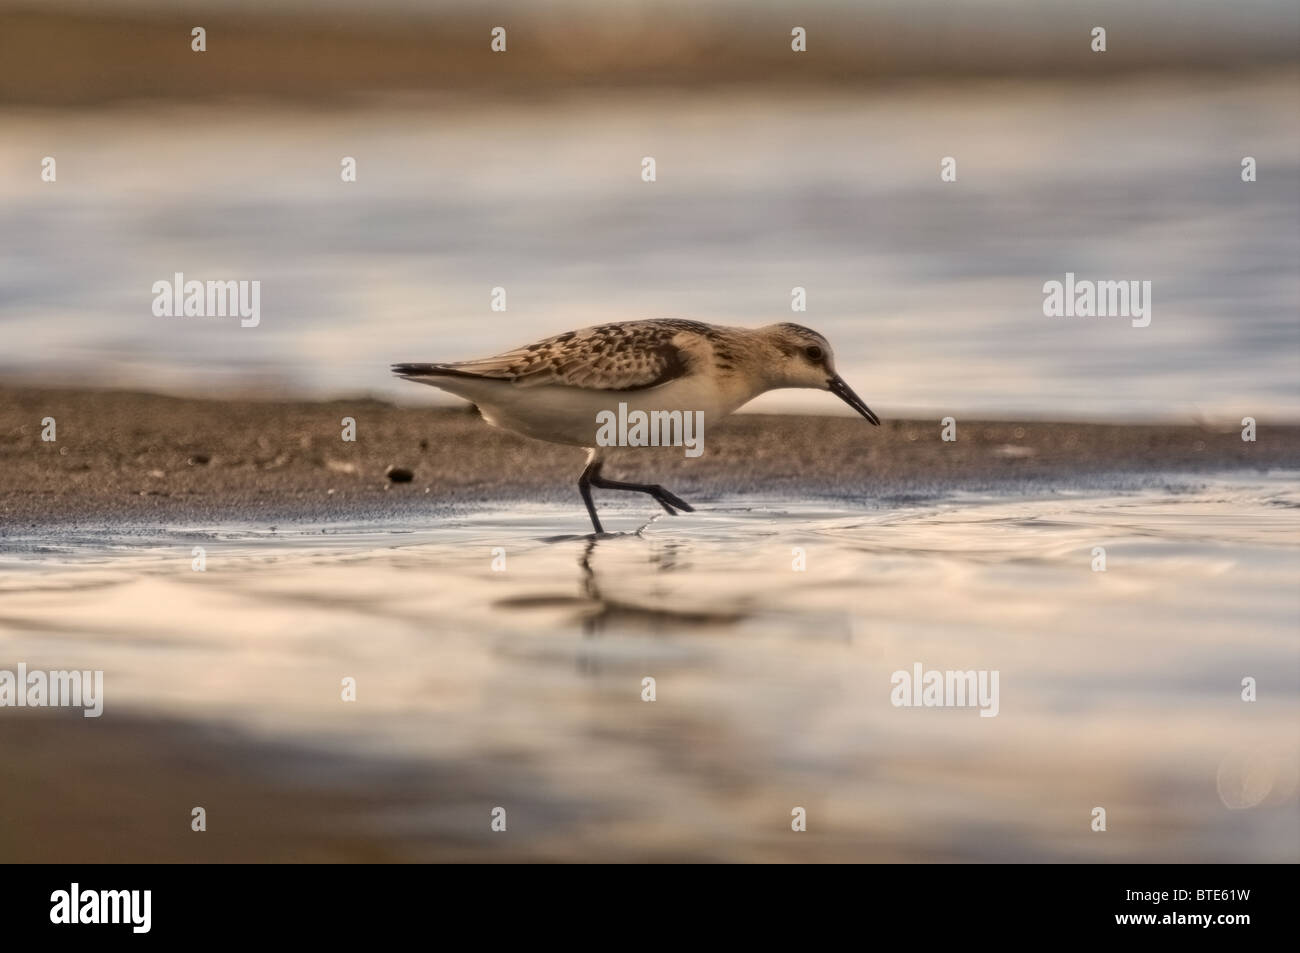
{"points": [[666, 500], [584, 487]]}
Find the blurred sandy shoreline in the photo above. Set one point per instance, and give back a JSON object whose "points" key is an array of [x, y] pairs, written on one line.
{"points": [[64, 54], [142, 458]]}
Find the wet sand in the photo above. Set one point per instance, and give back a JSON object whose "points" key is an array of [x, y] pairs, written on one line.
{"points": [[147, 459]]}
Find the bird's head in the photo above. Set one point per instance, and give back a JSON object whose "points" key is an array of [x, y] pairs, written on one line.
{"points": [[803, 358]]}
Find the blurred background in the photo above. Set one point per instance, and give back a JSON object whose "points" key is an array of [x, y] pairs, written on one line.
{"points": [[775, 169]]}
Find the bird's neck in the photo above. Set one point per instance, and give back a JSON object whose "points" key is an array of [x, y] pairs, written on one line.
{"points": [[744, 363]]}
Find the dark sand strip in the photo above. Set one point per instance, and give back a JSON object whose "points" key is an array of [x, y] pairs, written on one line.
{"points": [[147, 459]]}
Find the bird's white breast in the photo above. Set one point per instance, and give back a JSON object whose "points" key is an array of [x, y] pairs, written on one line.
{"points": [[569, 415]]}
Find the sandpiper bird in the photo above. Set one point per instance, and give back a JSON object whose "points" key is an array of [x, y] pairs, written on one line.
{"points": [[555, 389]]}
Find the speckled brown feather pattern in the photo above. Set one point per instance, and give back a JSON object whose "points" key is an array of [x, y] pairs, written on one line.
{"points": [[622, 356], [630, 355]]}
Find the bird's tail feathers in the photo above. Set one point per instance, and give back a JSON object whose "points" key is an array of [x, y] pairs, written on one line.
{"points": [[423, 372]]}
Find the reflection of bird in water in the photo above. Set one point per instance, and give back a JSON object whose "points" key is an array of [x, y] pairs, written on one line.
{"points": [[657, 616], [557, 389]]}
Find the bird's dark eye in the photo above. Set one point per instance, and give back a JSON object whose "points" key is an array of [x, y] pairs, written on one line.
{"points": [[814, 352]]}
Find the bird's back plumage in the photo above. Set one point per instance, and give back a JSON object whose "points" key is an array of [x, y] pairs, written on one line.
{"points": [[555, 388], [625, 356]]}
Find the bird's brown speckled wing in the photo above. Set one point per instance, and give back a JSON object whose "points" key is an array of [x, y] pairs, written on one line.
{"points": [[631, 355]]}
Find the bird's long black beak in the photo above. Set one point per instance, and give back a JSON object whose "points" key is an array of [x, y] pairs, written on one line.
{"points": [[845, 393]]}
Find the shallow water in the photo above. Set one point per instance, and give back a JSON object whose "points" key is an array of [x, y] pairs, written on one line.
{"points": [[522, 687], [930, 292]]}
